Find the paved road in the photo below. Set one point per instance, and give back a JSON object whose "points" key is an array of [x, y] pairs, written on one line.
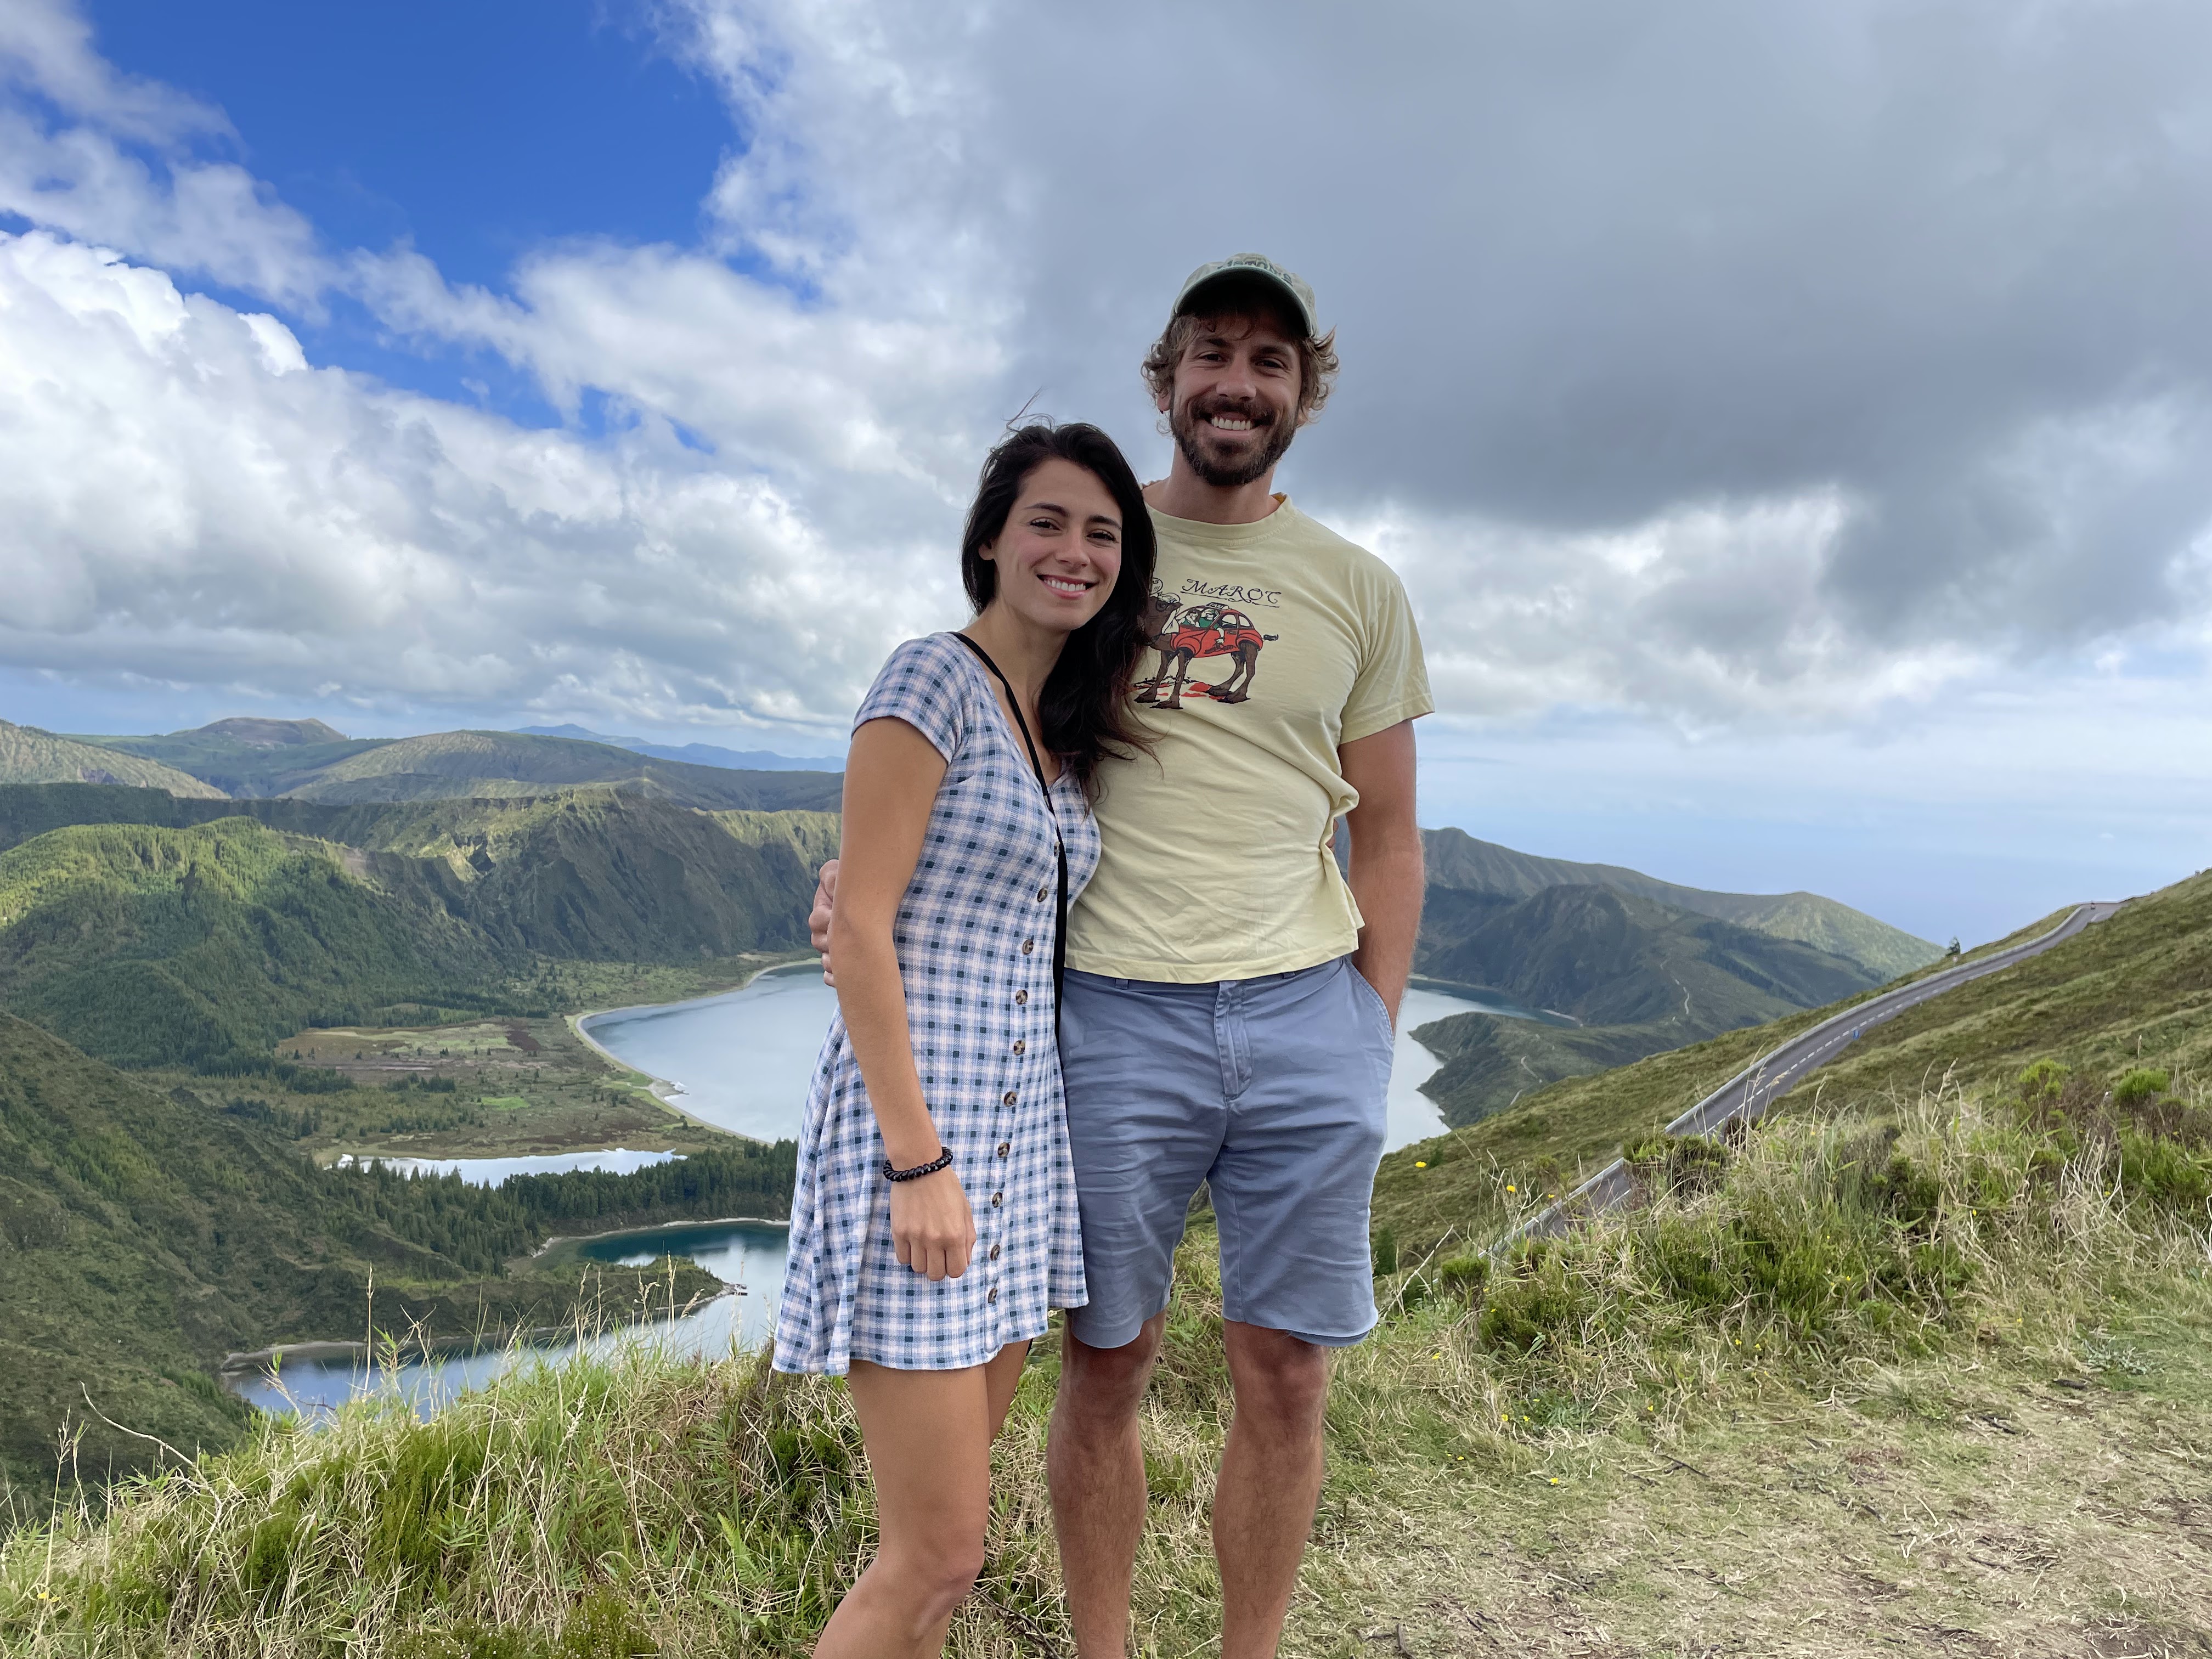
{"points": [[1746, 1097]]}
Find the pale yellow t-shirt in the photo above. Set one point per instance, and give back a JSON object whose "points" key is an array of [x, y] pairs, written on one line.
{"points": [[1287, 641]]}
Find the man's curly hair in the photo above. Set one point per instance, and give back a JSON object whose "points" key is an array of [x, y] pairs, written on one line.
{"points": [[1250, 297]]}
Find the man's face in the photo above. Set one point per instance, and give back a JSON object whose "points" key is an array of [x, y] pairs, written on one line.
{"points": [[1235, 406]]}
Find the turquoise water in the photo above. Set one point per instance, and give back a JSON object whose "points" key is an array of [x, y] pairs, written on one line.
{"points": [[742, 1061]]}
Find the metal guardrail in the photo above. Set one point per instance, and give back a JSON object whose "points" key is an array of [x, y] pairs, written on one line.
{"points": [[1745, 1097]]}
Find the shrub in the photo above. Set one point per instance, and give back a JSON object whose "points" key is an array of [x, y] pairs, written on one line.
{"points": [[2140, 1086], [2042, 1080], [1541, 1301], [1685, 1165], [1386, 1252], [1463, 1276]]}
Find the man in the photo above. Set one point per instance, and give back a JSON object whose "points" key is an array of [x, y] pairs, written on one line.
{"points": [[1231, 1002]]}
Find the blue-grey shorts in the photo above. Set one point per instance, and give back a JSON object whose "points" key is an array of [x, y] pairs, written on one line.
{"points": [[1270, 1090]]}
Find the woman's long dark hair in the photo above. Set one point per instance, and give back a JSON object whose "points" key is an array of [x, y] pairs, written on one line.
{"points": [[1085, 706]]}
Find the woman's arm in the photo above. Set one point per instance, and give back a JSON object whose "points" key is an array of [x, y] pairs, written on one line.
{"points": [[892, 780]]}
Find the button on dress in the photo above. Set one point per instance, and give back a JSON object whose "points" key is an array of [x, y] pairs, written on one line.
{"points": [[973, 934]]}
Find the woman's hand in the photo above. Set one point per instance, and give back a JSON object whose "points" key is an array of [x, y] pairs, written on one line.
{"points": [[932, 1228], [819, 918]]}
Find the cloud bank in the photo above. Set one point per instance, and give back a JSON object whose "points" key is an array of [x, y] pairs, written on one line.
{"points": [[1728, 365]]}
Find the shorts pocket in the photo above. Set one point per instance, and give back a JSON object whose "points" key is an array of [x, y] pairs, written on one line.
{"points": [[1377, 1009]]}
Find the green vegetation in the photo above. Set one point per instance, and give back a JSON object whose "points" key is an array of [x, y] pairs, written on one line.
{"points": [[204, 945], [1458, 862], [307, 760], [1490, 1062], [1644, 966], [246, 756], [144, 1234], [2128, 993], [1804, 1402], [494, 763], [30, 756], [147, 946]]}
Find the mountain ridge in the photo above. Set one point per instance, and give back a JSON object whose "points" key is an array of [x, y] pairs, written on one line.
{"points": [[29, 754]]}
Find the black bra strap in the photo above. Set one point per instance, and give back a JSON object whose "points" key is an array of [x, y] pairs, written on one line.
{"points": [[1060, 847]]}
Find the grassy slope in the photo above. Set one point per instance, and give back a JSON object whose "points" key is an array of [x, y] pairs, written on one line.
{"points": [[1458, 861], [143, 1235], [1641, 976], [148, 945], [30, 756], [508, 763], [247, 758], [153, 945], [2145, 974], [1816, 1467], [1489, 1063], [1611, 958]]}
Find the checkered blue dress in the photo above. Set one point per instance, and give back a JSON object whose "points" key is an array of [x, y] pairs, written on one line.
{"points": [[975, 938]]}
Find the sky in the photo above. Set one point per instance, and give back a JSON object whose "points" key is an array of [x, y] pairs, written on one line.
{"points": [[1793, 424]]}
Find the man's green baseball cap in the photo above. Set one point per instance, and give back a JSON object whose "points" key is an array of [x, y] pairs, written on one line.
{"points": [[1293, 287]]}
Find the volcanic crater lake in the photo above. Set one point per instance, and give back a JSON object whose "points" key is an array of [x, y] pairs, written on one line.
{"points": [[740, 1061]]}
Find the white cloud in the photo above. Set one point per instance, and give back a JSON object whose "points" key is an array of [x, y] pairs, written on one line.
{"points": [[189, 501], [1733, 375]]}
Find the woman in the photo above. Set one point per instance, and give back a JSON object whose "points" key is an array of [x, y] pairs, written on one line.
{"points": [[934, 1224]]}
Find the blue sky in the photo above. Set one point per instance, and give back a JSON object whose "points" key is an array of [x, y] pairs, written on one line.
{"points": [[1794, 427]]}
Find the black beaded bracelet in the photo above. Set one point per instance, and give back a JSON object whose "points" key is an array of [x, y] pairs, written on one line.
{"points": [[942, 1161]]}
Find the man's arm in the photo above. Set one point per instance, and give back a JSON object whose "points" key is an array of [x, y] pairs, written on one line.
{"points": [[1385, 874]]}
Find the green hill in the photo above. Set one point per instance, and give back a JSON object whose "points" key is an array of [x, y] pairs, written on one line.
{"points": [[1610, 958], [2135, 990], [154, 946], [1458, 864], [246, 756], [144, 1236], [310, 761], [1641, 976], [496, 763], [30, 756], [199, 937]]}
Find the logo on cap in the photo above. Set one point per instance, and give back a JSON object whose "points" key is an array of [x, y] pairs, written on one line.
{"points": [[1293, 287]]}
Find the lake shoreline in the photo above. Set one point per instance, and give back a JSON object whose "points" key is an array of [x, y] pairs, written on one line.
{"points": [[644, 1232], [664, 1090], [258, 1362]]}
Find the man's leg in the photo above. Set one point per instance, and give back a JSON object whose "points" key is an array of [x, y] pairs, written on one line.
{"points": [[1292, 1187], [1096, 1463], [1263, 1508]]}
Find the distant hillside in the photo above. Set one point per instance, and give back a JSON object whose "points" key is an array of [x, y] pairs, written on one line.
{"points": [[496, 763], [695, 754], [1642, 976], [306, 760], [2135, 990], [143, 1236], [28, 755], [1610, 958], [246, 756], [151, 946], [1458, 862], [216, 927]]}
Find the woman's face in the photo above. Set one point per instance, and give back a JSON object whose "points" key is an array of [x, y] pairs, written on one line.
{"points": [[1061, 550]]}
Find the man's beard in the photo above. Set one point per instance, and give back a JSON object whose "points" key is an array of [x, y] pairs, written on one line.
{"points": [[1188, 429]]}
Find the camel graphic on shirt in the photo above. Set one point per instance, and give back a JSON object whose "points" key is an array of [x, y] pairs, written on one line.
{"points": [[1187, 634]]}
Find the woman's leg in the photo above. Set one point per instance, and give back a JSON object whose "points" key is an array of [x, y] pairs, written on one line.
{"points": [[928, 1438]]}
